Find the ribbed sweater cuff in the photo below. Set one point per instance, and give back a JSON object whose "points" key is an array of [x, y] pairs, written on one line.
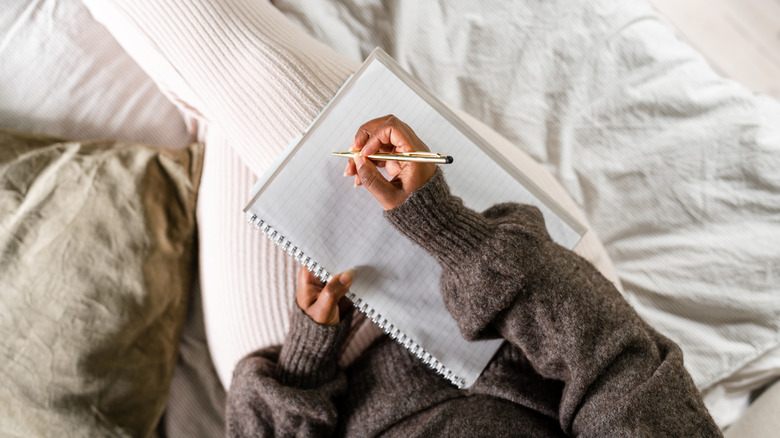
{"points": [[309, 356], [439, 222]]}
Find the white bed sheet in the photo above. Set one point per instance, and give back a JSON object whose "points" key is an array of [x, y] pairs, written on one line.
{"points": [[677, 168]]}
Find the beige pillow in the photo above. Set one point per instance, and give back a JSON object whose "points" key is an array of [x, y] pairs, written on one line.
{"points": [[97, 256]]}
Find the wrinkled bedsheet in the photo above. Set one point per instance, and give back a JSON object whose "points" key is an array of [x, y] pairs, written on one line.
{"points": [[677, 168]]}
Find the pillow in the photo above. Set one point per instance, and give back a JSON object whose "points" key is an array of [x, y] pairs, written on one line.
{"points": [[96, 244], [79, 83]]}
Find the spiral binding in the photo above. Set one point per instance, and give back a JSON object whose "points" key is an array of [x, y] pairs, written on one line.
{"points": [[405, 341], [387, 327], [290, 248]]}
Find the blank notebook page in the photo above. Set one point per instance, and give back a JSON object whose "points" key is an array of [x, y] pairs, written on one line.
{"points": [[309, 202]]}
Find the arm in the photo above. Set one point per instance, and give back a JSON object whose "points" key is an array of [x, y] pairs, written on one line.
{"points": [[503, 276], [291, 390]]}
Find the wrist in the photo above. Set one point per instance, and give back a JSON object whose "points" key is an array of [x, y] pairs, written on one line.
{"points": [[438, 222], [309, 356]]}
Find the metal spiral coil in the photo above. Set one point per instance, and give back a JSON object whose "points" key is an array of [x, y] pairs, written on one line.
{"points": [[290, 248], [408, 343]]}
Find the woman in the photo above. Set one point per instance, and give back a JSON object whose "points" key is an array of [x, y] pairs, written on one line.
{"points": [[578, 360]]}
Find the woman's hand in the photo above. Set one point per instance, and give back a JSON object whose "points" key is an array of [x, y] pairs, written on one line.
{"points": [[388, 135], [323, 302]]}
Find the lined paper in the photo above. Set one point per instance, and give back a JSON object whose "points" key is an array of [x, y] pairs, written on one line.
{"points": [[308, 202]]}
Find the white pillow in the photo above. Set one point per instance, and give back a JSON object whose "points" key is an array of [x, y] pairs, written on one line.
{"points": [[64, 74]]}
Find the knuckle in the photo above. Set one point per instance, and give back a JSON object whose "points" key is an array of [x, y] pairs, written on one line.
{"points": [[368, 180]]}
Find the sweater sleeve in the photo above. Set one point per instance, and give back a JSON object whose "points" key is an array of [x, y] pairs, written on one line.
{"points": [[503, 276], [290, 390]]}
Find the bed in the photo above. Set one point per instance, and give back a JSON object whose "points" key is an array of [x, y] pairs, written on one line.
{"points": [[675, 168]]}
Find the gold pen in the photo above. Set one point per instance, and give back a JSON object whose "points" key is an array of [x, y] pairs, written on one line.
{"points": [[420, 157]]}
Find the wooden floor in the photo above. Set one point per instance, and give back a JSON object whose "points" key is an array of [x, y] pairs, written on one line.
{"points": [[741, 38]]}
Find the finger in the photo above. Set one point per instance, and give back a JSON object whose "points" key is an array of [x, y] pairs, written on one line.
{"points": [[361, 136], [383, 190], [309, 287], [351, 169], [326, 309], [393, 168], [396, 133], [385, 134], [337, 287], [364, 133]]}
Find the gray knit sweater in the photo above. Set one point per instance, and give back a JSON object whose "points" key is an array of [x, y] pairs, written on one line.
{"points": [[578, 360]]}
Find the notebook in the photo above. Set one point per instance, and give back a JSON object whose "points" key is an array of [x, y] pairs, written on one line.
{"points": [[313, 212]]}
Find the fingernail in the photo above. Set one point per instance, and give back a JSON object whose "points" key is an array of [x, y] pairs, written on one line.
{"points": [[346, 277]]}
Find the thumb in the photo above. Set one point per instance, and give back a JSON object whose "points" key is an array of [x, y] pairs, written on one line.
{"points": [[326, 310], [380, 188]]}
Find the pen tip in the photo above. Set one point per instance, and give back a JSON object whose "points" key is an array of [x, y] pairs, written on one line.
{"points": [[449, 160]]}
